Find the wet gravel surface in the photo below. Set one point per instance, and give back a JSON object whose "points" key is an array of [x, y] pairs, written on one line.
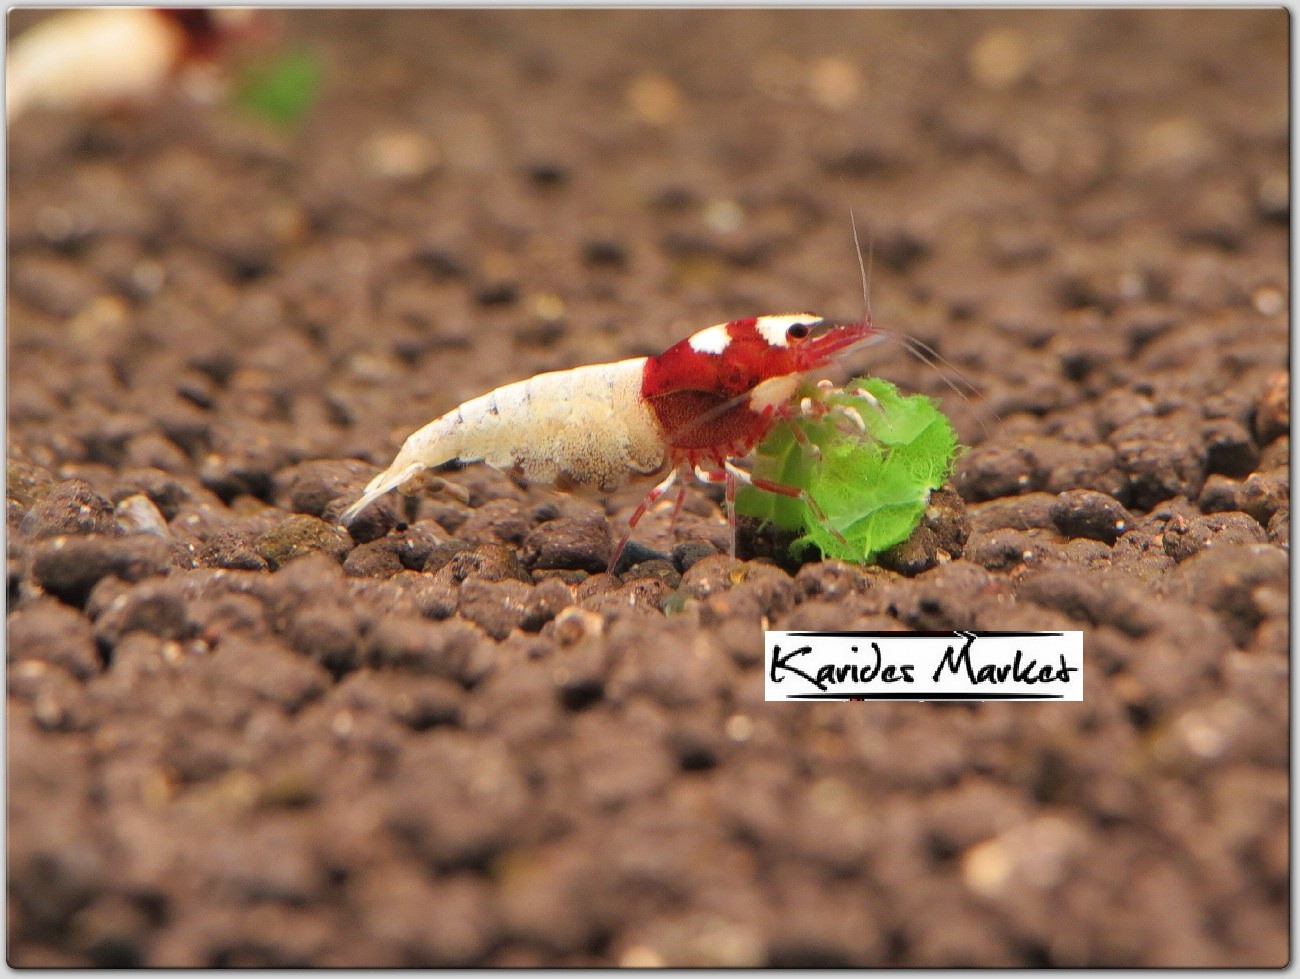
{"points": [[241, 735]]}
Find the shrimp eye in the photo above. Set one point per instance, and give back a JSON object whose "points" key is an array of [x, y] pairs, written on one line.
{"points": [[798, 331]]}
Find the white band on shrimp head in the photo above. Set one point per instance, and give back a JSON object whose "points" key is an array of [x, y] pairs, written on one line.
{"points": [[773, 329], [714, 340]]}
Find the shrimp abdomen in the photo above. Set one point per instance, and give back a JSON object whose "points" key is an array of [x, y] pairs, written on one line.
{"points": [[586, 428]]}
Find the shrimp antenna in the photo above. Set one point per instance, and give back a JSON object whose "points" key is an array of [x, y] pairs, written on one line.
{"points": [[945, 369], [867, 268]]}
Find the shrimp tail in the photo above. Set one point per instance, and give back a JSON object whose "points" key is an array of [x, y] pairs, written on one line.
{"points": [[388, 480], [435, 444]]}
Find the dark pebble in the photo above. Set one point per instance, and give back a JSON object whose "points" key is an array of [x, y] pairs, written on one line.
{"points": [[1225, 579], [440, 262], [688, 552], [418, 702], [574, 578], [310, 487], [234, 550], [225, 615], [644, 594], [861, 162], [458, 801], [104, 440], [151, 451], [990, 471], [698, 746], [490, 562], [635, 553], [237, 474], [415, 543], [1014, 513], [53, 633], [660, 569], [56, 285], [763, 540], [914, 555], [548, 173], [106, 591], [832, 580], [675, 199], [1160, 468], [712, 574], [605, 253], [217, 363], [69, 567], [327, 633], [543, 333], [666, 670], [1087, 513], [27, 484], [1230, 449], [945, 515], [1090, 467], [376, 559], [1090, 597], [496, 607], [1273, 414], [1219, 494], [544, 512], [156, 607], [298, 536], [1261, 494], [1275, 455], [499, 520], [620, 766], [269, 671], [164, 490], [442, 553], [52, 877], [113, 931], [1184, 538], [1002, 550], [186, 426], [580, 674], [1279, 528], [1121, 407], [449, 649], [546, 600], [434, 598], [370, 524], [71, 507], [949, 596], [581, 543], [497, 294]]}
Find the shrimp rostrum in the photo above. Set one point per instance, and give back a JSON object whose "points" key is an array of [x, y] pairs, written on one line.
{"points": [[697, 407]]}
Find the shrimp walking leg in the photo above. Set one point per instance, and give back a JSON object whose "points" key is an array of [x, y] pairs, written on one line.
{"points": [[677, 507], [650, 499], [737, 475], [725, 477]]}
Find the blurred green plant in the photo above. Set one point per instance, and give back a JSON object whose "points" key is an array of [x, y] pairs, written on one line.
{"points": [[872, 486], [282, 89]]}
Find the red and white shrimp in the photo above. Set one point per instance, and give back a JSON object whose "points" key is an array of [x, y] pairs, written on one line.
{"points": [[698, 406], [103, 57]]}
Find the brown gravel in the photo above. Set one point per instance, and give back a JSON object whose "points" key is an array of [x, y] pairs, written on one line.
{"points": [[239, 735]]}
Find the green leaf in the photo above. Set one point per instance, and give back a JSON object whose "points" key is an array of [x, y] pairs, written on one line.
{"points": [[282, 90], [872, 487]]}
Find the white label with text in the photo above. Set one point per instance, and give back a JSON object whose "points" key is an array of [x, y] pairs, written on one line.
{"points": [[924, 666]]}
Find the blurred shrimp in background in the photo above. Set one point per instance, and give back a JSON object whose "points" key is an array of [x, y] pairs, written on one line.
{"points": [[102, 59]]}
